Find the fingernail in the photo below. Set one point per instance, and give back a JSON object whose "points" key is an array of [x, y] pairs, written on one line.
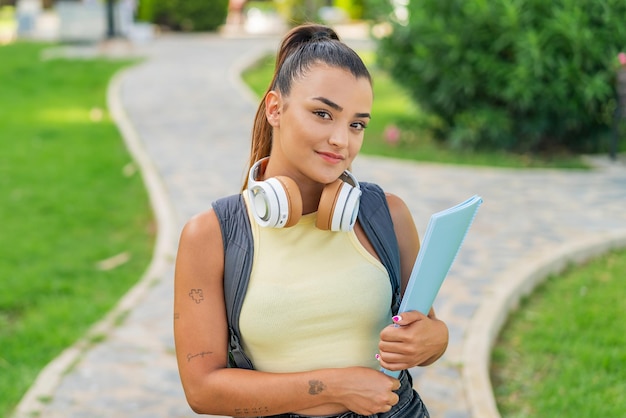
{"points": [[397, 318]]}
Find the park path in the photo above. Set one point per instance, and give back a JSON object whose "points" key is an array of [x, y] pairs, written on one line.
{"points": [[187, 120]]}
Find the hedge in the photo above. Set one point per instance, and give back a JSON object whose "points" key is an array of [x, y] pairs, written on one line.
{"points": [[525, 75]]}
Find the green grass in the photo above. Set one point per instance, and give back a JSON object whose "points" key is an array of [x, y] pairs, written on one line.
{"points": [[68, 202], [392, 106], [562, 354]]}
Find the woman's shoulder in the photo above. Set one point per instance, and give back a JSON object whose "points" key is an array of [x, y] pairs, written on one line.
{"points": [[200, 248], [201, 226], [226, 212], [398, 208]]}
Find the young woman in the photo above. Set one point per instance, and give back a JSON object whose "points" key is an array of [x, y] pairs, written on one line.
{"points": [[318, 320]]}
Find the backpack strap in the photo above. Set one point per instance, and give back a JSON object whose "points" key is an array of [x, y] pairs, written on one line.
{"points": [[238, 255], [374, 217]]}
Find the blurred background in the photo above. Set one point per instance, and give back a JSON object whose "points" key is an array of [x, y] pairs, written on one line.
{"points": [[526, 77]]}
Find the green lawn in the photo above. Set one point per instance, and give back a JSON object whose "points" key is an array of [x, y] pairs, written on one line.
{"points": [[69, 201], [393, 107], [563, 353]]}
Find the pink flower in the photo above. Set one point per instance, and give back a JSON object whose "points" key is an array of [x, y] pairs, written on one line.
{"points": [[622, 58], [392, 134]]}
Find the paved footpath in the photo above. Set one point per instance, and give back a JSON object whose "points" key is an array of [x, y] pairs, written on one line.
{"points": [[187, 119]]}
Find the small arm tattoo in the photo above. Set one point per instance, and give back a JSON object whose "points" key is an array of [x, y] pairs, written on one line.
{"points": [[196, 295], [202, 354], [254, 411], [176, 315], [316, 387]]}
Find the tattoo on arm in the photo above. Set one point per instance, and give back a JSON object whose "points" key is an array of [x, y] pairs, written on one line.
{"points": [[255, 411], [176, 315], [316, 387], [202, 354], [196, 295]]}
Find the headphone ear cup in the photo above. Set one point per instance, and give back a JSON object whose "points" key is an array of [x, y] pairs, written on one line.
{"points": [[350, 208], [293, 211], [276, 202], [264, 203], [339, 207], [326, 207]]}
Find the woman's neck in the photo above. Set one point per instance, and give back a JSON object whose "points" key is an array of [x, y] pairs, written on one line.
{"points": [[311, 194]]}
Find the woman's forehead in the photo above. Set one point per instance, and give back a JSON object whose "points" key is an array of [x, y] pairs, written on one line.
{"points": [[320, 68], [325, 77], [336, 85]]}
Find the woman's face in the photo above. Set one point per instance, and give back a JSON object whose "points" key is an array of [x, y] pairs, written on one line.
{"points": [[319, 127]]}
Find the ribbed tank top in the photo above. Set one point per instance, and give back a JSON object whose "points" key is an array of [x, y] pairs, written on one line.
{"points": [[316, 299]]}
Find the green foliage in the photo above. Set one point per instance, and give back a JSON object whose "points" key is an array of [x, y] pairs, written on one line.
{"points": [[190, 15], [71, 197], [263, 5], [146, 11], [525, 75], [200, 15], [562, 353], [354, 8], [376, 10]]}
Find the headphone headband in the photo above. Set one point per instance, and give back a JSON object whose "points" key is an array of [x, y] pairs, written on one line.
{"points": [[349, 178], [259, 168], [255, 171], [276, 202]]}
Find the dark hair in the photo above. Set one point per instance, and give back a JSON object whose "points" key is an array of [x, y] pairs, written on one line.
{"points": [[301, 48]]}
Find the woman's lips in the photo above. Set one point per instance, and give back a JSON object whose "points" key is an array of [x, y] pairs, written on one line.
{"points": [[331, 157]]}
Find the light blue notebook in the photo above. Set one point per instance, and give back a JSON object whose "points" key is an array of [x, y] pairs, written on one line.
{"points": [[442, 241]]}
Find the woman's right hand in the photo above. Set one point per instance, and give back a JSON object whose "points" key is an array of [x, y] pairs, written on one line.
{"points": [[367, 391]]}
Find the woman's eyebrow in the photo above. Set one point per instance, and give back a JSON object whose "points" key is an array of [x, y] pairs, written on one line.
{"points": [[329, 102], [335, 106]]}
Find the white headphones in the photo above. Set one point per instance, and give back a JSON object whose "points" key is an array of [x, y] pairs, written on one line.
{"points": [[277, 203]]}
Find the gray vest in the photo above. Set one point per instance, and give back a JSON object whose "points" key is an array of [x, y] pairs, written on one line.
{"points": [[231, 212]]}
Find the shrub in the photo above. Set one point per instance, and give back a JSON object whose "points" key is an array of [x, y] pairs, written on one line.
{"points": [[146, 11], [376, 10], [526, 75], [190, 15], [354, 8]]}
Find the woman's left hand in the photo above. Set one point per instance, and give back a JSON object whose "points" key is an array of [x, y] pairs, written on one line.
{"points": [[414, 339]]}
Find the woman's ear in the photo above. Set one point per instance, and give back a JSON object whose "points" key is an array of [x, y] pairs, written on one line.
{"points": [[272, 108]]}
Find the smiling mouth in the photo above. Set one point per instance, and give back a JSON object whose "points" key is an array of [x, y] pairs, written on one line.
{"points": [[331, 157]]}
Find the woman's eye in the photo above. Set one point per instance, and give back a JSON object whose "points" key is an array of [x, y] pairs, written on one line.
{"points": [[322, 114], [359, 126]]}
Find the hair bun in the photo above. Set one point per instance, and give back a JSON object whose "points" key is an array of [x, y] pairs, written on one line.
{"points": [[322, 34]]}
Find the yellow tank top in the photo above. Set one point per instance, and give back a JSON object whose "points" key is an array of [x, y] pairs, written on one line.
{"points": [[316, 299]]}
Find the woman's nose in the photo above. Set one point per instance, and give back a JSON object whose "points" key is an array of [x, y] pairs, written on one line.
{"points": [[339, 137]]}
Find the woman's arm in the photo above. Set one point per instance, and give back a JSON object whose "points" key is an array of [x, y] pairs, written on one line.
{"points": [[201, 337], [420, 340]]}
